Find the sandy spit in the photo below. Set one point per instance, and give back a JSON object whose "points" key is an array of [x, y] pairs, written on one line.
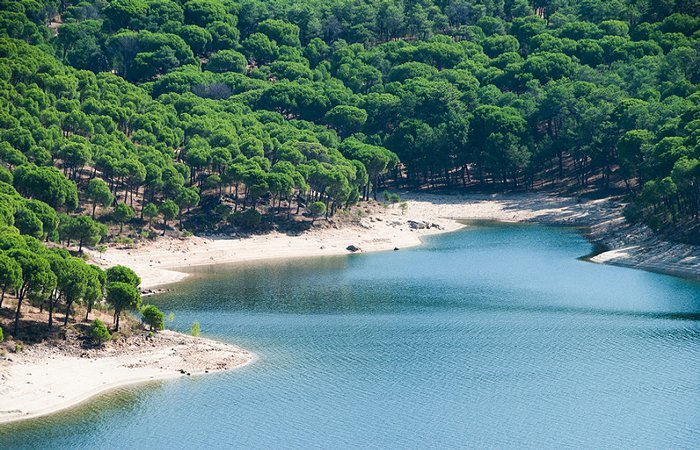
{"points": [[44, 379]]}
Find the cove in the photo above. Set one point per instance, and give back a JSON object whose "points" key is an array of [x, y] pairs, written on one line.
{"points": [[494, 336]]}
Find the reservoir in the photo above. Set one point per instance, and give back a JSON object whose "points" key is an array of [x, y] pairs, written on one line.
{"points": [[495, 336]]}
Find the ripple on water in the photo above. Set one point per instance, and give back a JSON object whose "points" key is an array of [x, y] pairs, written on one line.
{"points": [[487, 338]]}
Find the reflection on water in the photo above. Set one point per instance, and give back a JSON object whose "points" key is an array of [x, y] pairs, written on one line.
{"points": [[496, 336]]}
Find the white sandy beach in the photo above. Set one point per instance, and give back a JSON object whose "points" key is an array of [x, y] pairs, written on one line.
{"points": [[42, 379]]}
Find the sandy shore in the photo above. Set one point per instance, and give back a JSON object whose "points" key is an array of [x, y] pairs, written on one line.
{"points": [[44, 379], [384, 229], [158, 263]]}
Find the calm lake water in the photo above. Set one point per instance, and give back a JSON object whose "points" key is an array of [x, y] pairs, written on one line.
{"points": [[492, 337]]}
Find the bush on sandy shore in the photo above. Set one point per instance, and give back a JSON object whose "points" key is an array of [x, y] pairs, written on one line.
{"points": [[196, 329], [99, 332], [153, 317]]}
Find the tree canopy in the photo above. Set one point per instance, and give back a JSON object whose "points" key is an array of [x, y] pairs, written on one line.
{"points": [[228, 114]]}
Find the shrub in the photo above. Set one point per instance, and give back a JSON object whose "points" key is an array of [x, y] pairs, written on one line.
{"points": [[248, 219], [391, 197], [195, 328], [99, 332], [317, 209], [1, 336], [153, 317]]}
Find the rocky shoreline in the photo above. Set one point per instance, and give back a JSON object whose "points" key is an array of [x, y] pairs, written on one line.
{"points": [[620, 243]]}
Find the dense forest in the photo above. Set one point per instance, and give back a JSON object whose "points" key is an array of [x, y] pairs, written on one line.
{"points": [[134, 111]]}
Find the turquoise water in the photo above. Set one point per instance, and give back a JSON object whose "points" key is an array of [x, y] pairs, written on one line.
{"points": [[493, 337]]}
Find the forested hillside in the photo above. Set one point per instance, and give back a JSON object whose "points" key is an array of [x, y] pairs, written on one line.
{"points": [[134, 111]]}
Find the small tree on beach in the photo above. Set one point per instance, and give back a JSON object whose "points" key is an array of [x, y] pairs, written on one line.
{"points": [[195, 328], [404, 207], [153, 317], [99, 332], [391, 198]]}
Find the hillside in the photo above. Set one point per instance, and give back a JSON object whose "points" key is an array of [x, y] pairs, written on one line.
{"points": [[123, 120]]}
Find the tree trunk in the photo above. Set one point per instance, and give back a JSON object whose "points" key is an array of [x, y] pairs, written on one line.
{"points": [[51, 305], [2, 298], [19, 306], [68, 305]]}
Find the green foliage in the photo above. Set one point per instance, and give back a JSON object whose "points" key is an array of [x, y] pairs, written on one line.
{"points": [[391, 197], [46, 215], [596, 95], [46, 184], [98, 193], [99, 332], [122, 274], [123, 213], [83, 229], [169, 210], [196, 329], [10, 274], [248, 220], [28, 223], [2, 336], [346, 119], [227, 61], [5, 175], [150, 212], [317, 209], [153, 317], [122, 296]]}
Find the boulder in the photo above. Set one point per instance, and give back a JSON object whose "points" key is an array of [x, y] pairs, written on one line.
{"points": [[418, 224], [352, 248]]}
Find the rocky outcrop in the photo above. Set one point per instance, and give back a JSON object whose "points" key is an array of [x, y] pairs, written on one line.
{"points": [[422, 225]]}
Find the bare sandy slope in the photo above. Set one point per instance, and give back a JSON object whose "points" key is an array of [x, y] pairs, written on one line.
{"points": [[44, 379]]}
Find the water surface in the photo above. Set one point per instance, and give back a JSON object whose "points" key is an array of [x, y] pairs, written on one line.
{"points": [[492, 337]]}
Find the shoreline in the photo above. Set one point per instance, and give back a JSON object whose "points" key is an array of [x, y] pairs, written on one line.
{"points": [[160, 263], [44, 373], [44, 380]]}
